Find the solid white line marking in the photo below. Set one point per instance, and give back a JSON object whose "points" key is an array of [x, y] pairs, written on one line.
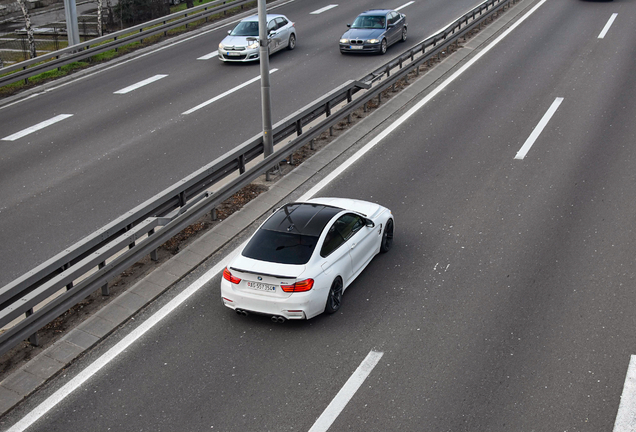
{"points": [[626, 417], [538, 129], [607, 26], [209, 56], [37, 127], [222, 95], [346, 392], [404, 5], [326, 8], [140, 84], [67, 389]]}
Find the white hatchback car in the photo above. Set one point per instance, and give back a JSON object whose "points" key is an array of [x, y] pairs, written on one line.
{"points": [[303, 257], [241, 45]]}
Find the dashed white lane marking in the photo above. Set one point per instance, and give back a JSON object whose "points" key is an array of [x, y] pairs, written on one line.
{"points": [[321, 10], [404, 5], [37, 127], [626, 417], [209, 56], [140, 84], [538, 129], [607, 26], [346, 392], [222, 95]]}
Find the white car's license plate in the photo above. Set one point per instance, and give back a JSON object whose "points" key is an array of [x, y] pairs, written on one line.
{"points": [[356, 47], [261, 286], [233, 54]]}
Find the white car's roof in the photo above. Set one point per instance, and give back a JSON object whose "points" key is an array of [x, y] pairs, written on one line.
{"points": [[269, 17], [367, 208]]}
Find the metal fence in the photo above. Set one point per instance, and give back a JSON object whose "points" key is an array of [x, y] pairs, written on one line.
{"points": [[88, 265]]}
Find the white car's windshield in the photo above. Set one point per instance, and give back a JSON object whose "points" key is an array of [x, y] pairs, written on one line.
{"points": [[369, 22], [246, 28]]}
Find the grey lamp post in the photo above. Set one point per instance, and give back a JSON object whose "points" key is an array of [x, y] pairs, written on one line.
{"points": [[265, 96]]}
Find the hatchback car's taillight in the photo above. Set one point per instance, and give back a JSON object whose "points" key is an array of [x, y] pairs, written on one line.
{"points": [[228, 276], [301, 286]]}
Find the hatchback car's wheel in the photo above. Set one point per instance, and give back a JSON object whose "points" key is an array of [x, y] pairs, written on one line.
{"points": [[292, 42], [387, 237], [334, 299], [383, 46], [403, 34]]}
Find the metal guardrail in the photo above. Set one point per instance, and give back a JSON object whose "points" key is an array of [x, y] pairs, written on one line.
{"points": [[55, 59], [98, 258]]}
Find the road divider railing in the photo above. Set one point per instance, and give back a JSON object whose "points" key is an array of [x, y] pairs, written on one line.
{"points": [[38, 297], [56, 59]]}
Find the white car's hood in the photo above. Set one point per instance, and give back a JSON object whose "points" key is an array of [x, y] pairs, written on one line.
{"points": [[239, 41]]}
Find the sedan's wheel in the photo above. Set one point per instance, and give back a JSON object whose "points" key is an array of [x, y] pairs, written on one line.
{"points": [[292, 42], [383, 47], [403, 34], [387, 237], [334, 299]]}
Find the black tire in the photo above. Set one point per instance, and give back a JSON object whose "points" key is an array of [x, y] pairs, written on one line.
{"points": [[383, 46], [387, 237], [404, 34], [334, 298], [292, 42]]}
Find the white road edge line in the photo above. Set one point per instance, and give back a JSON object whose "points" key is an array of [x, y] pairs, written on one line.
{"points": [[347, 391], [209, 56], [607, 26], [140, 84], [222, 95], [93, 368], [321, 10], [404, 5], [626, 417], [525, 148], [37, 127]]}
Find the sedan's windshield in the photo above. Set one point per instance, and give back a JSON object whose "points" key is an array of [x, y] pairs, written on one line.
{"points": [[280, 247], [369, 22], [246, 28]]}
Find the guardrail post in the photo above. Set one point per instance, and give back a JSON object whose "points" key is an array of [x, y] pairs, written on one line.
{"points": [[105, 289], [34, 338], [153, 253], [213, 214], [64, 268], [299, 128], [241, 161], [182, 199], [312, 145]]}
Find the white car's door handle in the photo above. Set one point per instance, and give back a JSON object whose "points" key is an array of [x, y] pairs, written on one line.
{"points": [[353, 246]]}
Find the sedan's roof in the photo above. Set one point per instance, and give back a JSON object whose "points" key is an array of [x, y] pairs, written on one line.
{"points": [[376, 12], [269, 17], [301, 218]]}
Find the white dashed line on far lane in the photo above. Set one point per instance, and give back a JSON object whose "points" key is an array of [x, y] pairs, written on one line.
{"points": [[321, 10], [37, 127], [209, 56], [140, 84], [404, 5], [222, 95]]}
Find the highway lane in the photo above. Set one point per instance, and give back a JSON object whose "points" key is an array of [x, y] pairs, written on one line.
{"points": [[64, 181], [505, 303]]}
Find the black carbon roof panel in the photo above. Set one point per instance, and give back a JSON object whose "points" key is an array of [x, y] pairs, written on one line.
{"points": [[301, 218]]}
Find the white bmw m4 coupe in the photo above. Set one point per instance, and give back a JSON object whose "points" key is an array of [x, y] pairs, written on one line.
{"points": [[302, 258]]}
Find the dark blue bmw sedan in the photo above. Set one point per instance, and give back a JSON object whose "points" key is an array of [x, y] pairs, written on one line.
{"points": [[374, 31]]}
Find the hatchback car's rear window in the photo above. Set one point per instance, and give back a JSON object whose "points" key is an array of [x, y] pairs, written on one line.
{"points": [[280, 247]]}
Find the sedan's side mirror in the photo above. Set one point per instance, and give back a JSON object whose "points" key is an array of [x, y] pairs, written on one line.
{"points": [[349, 25], [369, 223], [229, 32]]}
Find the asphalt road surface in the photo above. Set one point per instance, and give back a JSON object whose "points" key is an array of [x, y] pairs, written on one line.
{"points": [[112, 151], [506, 303]]}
